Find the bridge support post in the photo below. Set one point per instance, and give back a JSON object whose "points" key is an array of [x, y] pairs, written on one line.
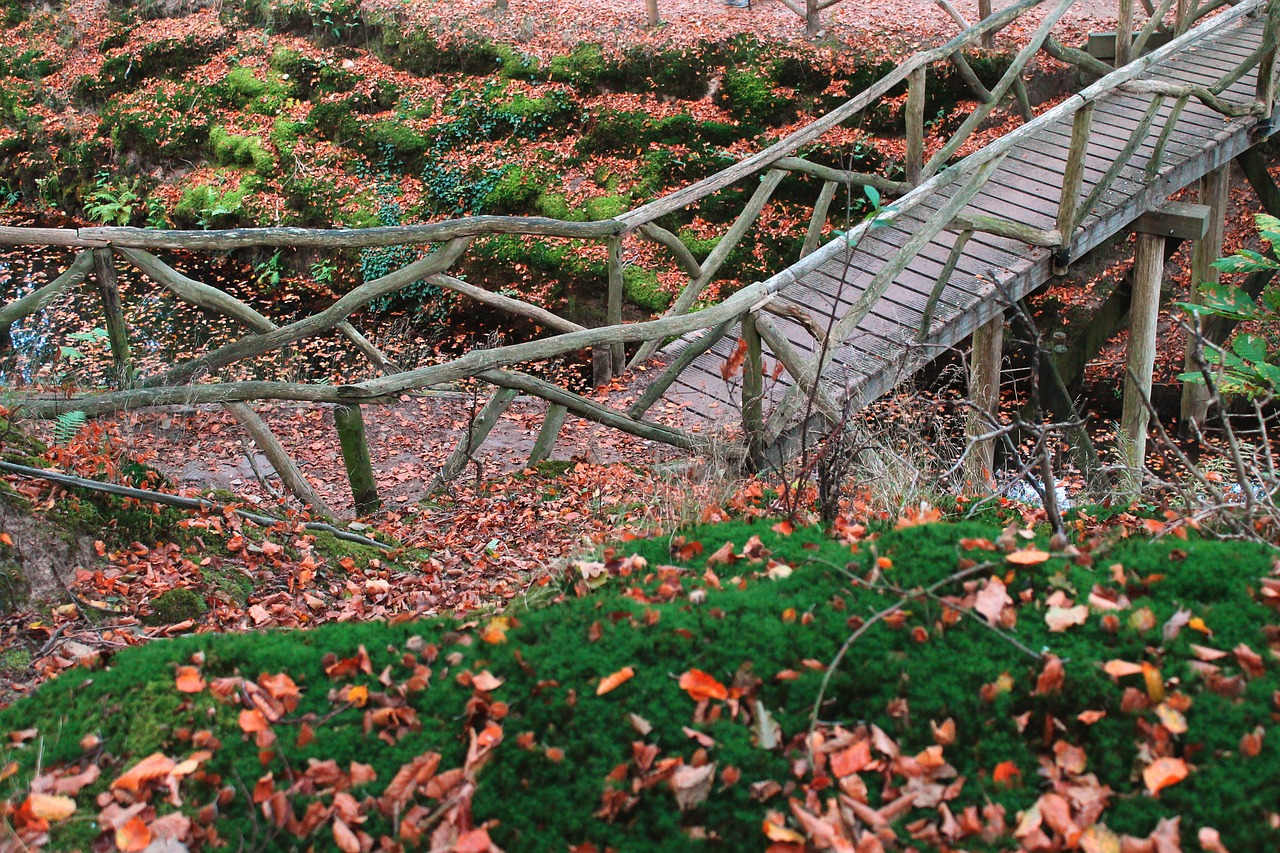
{"points": [[104, 269], [349, 421], [753, 392], [546, 441], [1214, 188], [984, 395], [1148, 270]]}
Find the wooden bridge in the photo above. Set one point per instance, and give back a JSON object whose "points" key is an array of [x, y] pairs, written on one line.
{"points": [[961, 240]]}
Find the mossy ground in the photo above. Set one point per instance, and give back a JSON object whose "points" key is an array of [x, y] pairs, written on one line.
{"points": [[554, 657]]}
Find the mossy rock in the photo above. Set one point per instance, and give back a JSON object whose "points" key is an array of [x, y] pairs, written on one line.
{"points": [[516, 192], [176, 605], [641, 286], [229, 149], [749, 97]]}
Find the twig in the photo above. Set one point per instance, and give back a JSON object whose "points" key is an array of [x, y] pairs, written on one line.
{"points": [[180, 502]]}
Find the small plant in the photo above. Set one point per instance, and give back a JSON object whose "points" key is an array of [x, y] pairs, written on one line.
{"points": [[324, 272], [111, 203]]}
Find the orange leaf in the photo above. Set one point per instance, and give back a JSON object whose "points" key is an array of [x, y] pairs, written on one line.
{"points": [[1028, 557], [613, 682], [6, 539], [1164, 772], [1007, 774], [358, 695], [343, 836], [699, 685], [785, 528], [50, 806], [1090, 717], [133, 836], [154, 766], [190, 680], [774, 832], [733, 363], [1117, 668], [252, 720], [1154, 681]]}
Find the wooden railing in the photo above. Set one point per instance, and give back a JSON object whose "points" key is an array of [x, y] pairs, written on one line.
{"points": [[922, 174]]}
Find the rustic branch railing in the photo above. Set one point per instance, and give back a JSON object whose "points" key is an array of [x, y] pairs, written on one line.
{"points": [[920, 176]]}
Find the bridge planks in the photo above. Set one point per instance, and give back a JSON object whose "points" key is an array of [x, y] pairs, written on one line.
{"points": [[1027, 188]]}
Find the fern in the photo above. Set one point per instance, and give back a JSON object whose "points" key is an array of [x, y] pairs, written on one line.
{"points": [[67, 425]]}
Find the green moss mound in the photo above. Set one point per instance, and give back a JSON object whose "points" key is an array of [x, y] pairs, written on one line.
{"points": [[738, 627]]}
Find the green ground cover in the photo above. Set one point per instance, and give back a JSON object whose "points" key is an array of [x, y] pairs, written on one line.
{"points": [[512, 703]]}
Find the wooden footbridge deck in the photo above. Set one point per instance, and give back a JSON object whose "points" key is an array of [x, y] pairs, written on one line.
{"points": [[955, 242]]}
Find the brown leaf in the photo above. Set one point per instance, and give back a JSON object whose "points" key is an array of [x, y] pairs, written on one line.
{"points": [[692, 785], [189, 680], [343, 836], [1164, 772], [992, 600], [1062, 618], [133, 836], [153, 767], [1028, 557], [50, 806], [1249, 660]]}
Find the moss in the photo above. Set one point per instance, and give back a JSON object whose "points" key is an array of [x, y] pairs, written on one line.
{"points": [[514, 65], [550, 665], [583, 67], [207, 206], [230, 149], [515, 192], [605, 207], [641, 286], [176, 605], [556, 206], [285, 133], [749, 97], [14, 660]]}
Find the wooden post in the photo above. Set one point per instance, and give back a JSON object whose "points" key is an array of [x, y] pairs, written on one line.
{"points": [[1144, 310], [1072, 179], [478, 430], [1214, 189], [652, 7], [355, 456], [547, 436], [988, 39], [613, 311], [1124, 34], [812, 26], [915, 125], [1266, 85], [290, 474], [984, 396], [752, 392], [104, 269], [813, 239]]}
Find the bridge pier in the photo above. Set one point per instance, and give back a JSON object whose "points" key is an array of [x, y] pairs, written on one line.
{"points": [[985, 362], [1214, 189]]}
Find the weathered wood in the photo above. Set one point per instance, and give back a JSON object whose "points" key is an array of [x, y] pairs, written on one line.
{"points": [[988, 39], [593, 411], [1215, 190], [793, 362], [1124, 33], [1179, 219], [962, 66], [474, 435], [290, 474], [821, 207], [552, 422], [1028, 234], [1072, 178], [34, 301], [979, 115], [985, 361], [601, 366], [1121, 160], [613, 304], [1254, 166], [348, 238], [104, 269], [511, 305], [842, 176], [651, 6], [711, 265], [654, 391], [1148, 33], [752, 392], [1203, 94], [915, 125], [195, 292], [1144, 311], [657, 234], [1085, 62], [944, 277], [798, 315], [1102, 46], [1162, 143], [16, 236], [321, 321], [376, 357], [349, 422]]}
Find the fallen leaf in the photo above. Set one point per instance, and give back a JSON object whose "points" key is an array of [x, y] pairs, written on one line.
{"points": [[1007, 774], [486, 681], [1028, 557], [701, 686], [1117, 668], [133, 836], [1062, 618], [252, 720], [1164, 772], [189, 680], [154, 766], [612, 682], [50, 806], [992, 600], [692, 785]]}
